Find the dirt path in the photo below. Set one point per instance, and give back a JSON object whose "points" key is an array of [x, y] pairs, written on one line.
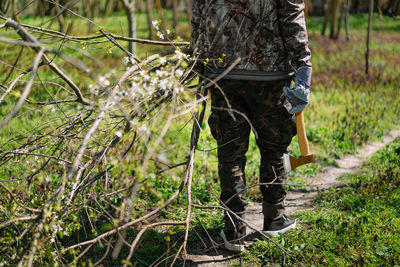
{"points": [[295, 201]]}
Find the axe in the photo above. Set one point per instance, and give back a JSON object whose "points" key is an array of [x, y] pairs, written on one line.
{"points": [[290, 162]]}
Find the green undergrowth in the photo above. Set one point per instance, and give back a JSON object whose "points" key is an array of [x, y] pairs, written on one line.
{"points": [[348, 108], [356, 224], [360, 21]]}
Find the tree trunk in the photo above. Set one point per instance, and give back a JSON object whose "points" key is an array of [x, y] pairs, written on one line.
{"points": [[86, 13], [326, 17], [335, 9], [129, 6], [91, 11], [370, 13], [149, 7], [140, 6], [60, 16], [189, 9], [39, 8], [396, 8], [160, 14], [108, 8], [341, 20], [176, 14], [376, 6], [132, 30], [14, 10], [4, 5], [96, 8], [356, 6], [346, 19]]}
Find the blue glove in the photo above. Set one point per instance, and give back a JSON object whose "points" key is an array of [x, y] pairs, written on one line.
{"points": [[298, 97]]}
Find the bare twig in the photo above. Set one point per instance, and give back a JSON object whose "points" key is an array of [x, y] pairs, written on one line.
{"points": [[140, 234], [26, 92]]}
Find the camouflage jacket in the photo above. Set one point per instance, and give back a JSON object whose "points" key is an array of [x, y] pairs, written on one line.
{"points": [[268, 35]]}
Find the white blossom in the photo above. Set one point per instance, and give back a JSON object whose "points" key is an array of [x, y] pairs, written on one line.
{"points": [[163, 60], [160, 35], [163, 157], [179, 53], [163, 84], [103, 80], [155, 24], [128, 60], [143, 130], [145, 76], [179, 72], [118, 134], [125, 60], [161, 73], [168, 31], [93, 89], [179, 89]]}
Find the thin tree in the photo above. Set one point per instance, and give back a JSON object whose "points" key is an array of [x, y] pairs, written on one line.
{"points": [[149, 7], [392, 8], [108, 7], [90, 9], [335, 12], [336, 7], [346, 19], [175, 11], [160, 14], [356, 6], [189, 9], [371, 9], [4, 5], [129, 6], [329, 14], [60, 15], [14, 10]]}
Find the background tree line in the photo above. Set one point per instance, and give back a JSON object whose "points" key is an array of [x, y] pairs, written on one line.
{"points": [[335, 12], [105, 7]]}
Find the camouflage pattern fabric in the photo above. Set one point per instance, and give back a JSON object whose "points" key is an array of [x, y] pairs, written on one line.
{"points": [[259, 106], [268, 35]]}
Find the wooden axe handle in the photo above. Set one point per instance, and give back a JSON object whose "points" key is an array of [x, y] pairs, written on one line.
{"points": [[301, 134]]}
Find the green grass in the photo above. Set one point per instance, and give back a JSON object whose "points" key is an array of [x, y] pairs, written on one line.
{"points": [[347, 109], [359, 22], [357, 224]]}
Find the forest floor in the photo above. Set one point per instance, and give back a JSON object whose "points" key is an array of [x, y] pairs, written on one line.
{"points": [[348, 109], [296, 201]]}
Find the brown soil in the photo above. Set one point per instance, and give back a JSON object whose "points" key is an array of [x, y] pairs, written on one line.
{"points": [[295, 202]]}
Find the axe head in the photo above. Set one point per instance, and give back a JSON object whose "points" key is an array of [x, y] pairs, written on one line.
{"points": [[290, 163]]}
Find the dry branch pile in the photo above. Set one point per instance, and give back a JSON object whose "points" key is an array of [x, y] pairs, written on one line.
{"points": [[91, 132]]}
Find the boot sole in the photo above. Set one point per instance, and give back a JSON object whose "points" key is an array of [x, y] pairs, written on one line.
{"points": [[230, 246]]}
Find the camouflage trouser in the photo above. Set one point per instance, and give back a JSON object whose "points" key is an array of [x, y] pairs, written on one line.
{"points": [[256, 106]]}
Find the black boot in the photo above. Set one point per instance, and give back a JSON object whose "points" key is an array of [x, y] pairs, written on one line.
{"points": [[281, 225], [234, 232]]}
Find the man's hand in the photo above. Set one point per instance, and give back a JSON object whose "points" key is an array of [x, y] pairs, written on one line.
{"points": [[299, 96]]}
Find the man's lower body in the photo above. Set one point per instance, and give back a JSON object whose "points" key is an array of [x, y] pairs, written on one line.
{"points": [[237, 108]]}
